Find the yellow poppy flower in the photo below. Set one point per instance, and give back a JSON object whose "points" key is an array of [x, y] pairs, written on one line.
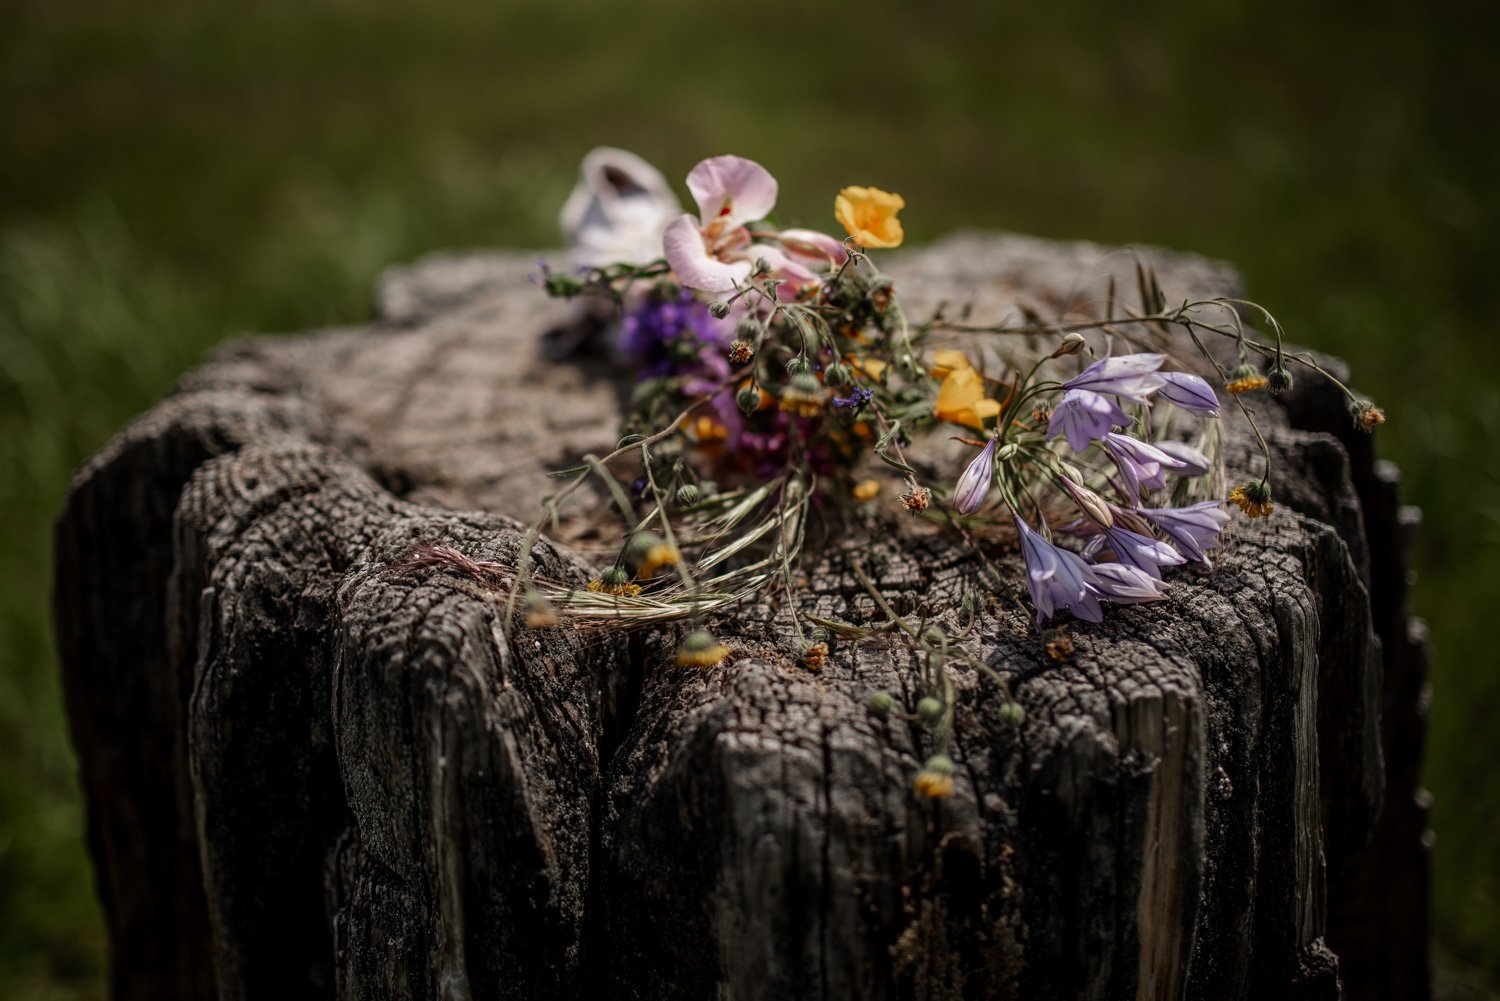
{"points": [[869, 215], [961, 400], [949, 360]]}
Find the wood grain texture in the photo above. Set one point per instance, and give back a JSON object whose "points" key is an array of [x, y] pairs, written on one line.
{"points": [[315, 770]]}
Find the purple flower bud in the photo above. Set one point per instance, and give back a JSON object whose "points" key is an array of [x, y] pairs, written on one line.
{"points": [[1194, 462], [1082, 416], [1056, 578], [1130, 377], [974, 485], [1194, 529], [1140, 464], [1189, 392], [1124, 585]]}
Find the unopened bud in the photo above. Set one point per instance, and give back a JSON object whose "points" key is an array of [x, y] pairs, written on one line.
{"points": [[1071, 344], [929, 710], [748, 400], [837, 374], [1279, 380], [880, 703], [718, 309], [687, 495], [796, 365], [1011, 714], [747, 329]]}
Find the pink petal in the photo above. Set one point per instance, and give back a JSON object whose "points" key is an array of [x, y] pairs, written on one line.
{"points": [[732, 188], [809, 243], [688, 255]]}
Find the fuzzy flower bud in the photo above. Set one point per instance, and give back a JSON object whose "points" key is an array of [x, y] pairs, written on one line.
{"points": [[929, 710], [837, 374], [747, 329], [796, 365], [1367, 416], [718, 309], [1279, 380], [687, 495], [748, 400], [1011, 714]]}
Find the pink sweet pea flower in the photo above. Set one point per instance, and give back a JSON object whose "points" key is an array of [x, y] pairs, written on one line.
{"points": [[715, 252]]}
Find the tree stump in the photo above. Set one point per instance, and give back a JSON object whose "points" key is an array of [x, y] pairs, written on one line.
{"points": [[314, 769]]}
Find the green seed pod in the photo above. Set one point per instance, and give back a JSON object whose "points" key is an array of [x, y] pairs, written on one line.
{"points": [[880, 704], [1011, 714], [929, 710]]}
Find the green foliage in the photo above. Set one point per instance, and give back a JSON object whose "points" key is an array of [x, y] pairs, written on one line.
{"points": [[174, 173]]}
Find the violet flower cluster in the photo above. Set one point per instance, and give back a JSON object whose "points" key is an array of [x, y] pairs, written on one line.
{"points": [[1129, 546]]}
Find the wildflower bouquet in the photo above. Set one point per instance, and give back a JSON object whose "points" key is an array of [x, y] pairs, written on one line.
{"points": [[781, 386]]}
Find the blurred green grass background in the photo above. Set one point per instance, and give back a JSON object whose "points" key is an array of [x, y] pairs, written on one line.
{"points": [[179, 171]]}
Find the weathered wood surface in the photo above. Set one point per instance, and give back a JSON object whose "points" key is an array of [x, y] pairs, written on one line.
{"points": [[312, 771]]}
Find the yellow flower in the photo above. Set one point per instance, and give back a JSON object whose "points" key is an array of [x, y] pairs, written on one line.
{"points": [[949, 360], [961, 400], [865, 490], [614, 587], [1253, 498], [869, 215], [1245, 384]]}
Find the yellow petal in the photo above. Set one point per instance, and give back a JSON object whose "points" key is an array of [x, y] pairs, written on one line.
{"points": [[869, 216], [961, 400], [948, 360]]}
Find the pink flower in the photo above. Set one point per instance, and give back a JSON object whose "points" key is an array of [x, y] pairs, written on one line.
{"points": [[716, 252]]}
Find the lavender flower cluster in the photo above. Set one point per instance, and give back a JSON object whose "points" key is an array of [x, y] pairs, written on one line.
{"points": [[1089, 411]]}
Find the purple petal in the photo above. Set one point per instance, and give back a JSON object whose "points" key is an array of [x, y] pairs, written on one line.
{"points": [[1130, 377], [732, 188], [1144, 553], [1124, 585], [688, 255], [1192, 462], [1194, 529], [1189, 392], [1083, 416]]}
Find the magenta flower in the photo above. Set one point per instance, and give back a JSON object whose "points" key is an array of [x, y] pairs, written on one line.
{"points": [[1194, 529], [1189, 392], [974, 485], [1130, 377], [1140, 464], [1082, 416], [1057, 579]]}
